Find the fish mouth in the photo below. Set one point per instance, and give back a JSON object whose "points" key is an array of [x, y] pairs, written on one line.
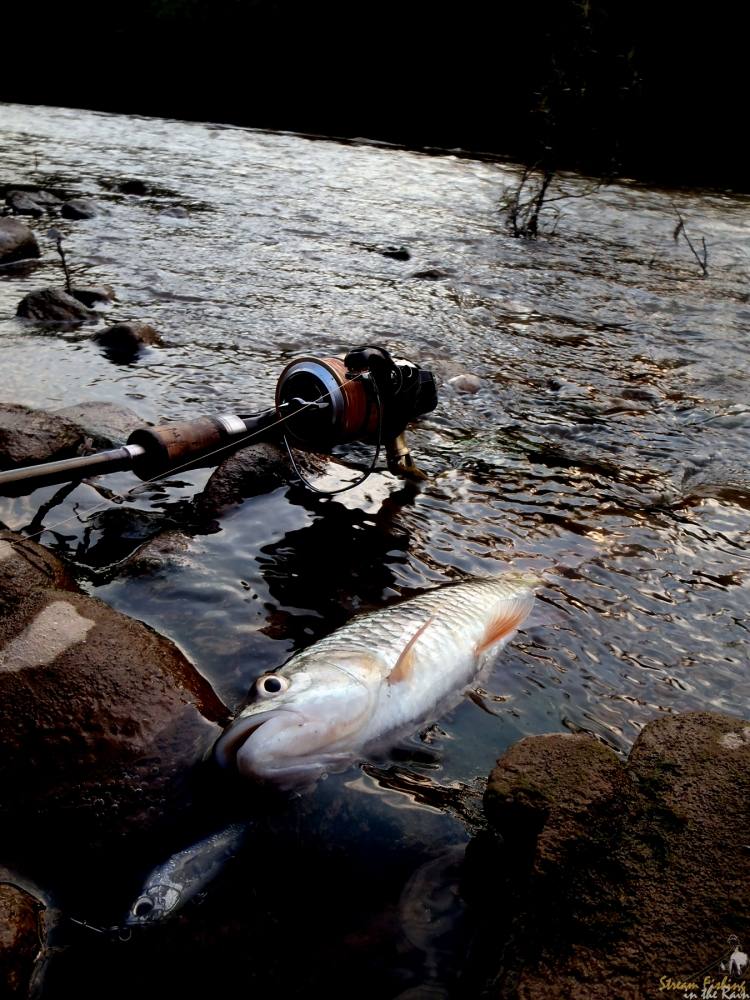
{"points": [[233, 738], [144, 910]]}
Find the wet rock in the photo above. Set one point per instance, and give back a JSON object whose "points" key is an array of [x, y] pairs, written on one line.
{"points": [[100, 717], [19, 939], [466, 382], [136, 186], [551, 802], [106, 425], [717, 479], [79, 208], [29, 200], [17, 242], [167, 550], [614, 875], [176, 212], [28, 436], [643, 394], [101, 294], [430, 274], [133, 186], [251, 471], [47, 199], [23, 203], [395, 253], [53, 305], [123, 341]]}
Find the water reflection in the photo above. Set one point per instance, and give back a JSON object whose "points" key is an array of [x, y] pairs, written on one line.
{"points": [[339, 563]]}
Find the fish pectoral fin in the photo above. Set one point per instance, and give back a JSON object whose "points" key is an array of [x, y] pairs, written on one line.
{"points": [[405, 663], [504, 623]]}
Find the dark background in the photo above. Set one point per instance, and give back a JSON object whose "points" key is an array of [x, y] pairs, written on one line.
{"points": [[651, 90]]}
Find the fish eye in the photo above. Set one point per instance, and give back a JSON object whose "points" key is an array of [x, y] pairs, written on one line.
{"points": [[270, 685], [143, 906]]}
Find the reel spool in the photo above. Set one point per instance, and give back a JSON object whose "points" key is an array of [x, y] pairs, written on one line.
{"points": [[343, 408], [368, 396]]}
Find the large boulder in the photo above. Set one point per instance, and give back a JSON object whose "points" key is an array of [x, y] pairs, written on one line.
{"points": [[101, 718], [105, 424], [19, 940], [28, 436], [17, 242], [53, 305], [607, 878]]}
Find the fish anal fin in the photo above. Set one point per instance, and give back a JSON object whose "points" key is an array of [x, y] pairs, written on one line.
{"points": [[405, 663], [504, 623]]}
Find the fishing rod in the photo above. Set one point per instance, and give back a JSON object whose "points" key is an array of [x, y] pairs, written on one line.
{"points": [[319, 402]]}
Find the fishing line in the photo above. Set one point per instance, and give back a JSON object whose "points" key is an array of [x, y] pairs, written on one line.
{"points": [[234, 445], [357, 482]]}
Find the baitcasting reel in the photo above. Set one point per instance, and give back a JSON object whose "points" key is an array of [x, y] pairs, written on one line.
{"points": [[320, 402]]}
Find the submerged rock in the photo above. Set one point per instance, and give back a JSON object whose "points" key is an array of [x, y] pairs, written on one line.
{"points": [[79, 208], [123, 341], [28, 436], [718, 479], [19, 939], [466, 382], [17, 242], [170, 549], [395, 253], [133, 185], [609, 875], [175, 212], [53, 305], [100, 717], [96, 294], [430, 274]]}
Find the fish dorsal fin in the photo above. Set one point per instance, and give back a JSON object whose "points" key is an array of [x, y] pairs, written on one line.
{"points": [[505, 621], [405, 663]]}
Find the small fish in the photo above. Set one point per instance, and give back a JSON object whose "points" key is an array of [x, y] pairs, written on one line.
{"points": [[380, 674], [183, 876]]}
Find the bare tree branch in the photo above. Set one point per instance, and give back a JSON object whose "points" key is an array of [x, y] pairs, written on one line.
{"points": [[680, 228]]}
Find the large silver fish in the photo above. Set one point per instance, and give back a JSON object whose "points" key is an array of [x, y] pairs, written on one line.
{"points": [[380, 674]]}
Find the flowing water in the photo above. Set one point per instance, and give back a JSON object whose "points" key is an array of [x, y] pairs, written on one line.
{"points": [[607, 446]]}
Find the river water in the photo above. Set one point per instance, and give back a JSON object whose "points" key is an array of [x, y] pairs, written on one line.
{"points": [[606, 447]]}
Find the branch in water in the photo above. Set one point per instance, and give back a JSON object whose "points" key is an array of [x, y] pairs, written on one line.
{"points": [[680, 229]]}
